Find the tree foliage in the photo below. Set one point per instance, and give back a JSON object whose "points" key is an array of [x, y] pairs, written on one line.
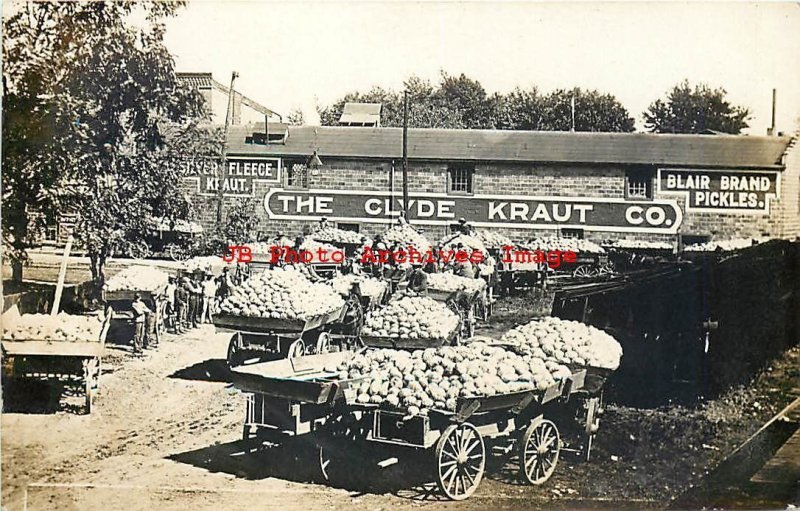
{"points": [[95, 121], [295, 117], [687, 109], [462, 102]]}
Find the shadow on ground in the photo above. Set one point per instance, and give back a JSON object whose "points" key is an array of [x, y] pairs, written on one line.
{"points": [[211, 370], [297, 459]]}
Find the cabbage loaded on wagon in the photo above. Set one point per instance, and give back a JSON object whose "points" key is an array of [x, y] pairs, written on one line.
{"points": [[281, 313], [458, 404], [56, 347]]}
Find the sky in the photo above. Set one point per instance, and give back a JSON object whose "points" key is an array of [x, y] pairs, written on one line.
{"points": [[296, 54]]}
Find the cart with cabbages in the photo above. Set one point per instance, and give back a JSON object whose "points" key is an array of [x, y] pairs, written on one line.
{"points": [[299, 396], [463, 303], [265, 337], [57, 360], [122, 302], [411, 343]]}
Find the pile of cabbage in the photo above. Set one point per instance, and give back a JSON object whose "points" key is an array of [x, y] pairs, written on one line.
{"points": [[565, 342]]}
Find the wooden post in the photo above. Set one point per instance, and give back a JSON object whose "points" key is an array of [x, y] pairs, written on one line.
{"points": [[405, 155], [224, 176], [62, 273]]}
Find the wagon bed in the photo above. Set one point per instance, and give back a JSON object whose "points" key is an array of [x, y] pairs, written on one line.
{"points": [[34, 358], [256, 324]]}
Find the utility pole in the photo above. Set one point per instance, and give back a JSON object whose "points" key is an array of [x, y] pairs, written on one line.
{"points": [[405, 154], [224, 176], [572, 104]]}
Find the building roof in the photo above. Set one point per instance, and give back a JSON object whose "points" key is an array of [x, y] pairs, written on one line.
{"points": [[200, 80], [361, 113], [756, 152]]}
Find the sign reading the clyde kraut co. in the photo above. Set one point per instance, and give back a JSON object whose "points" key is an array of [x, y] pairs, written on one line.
{"points": [[520, 211], [721, 191], [241, 174]]}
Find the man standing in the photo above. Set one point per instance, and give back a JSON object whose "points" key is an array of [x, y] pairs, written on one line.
{"points": [[181, 306], [192, 293], [209, 294], [140, 313], [170, 297]]}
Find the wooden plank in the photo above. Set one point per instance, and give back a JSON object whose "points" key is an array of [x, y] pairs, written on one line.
{"points": [[55, 348], [784, 466], [62, 273]]}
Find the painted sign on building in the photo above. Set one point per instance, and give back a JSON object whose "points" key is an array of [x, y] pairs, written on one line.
{"points": [[517, 211], [721, 191], [241, 174]]}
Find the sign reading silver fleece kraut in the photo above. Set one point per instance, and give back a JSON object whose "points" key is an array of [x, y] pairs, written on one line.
{"points": [[520, 211]]}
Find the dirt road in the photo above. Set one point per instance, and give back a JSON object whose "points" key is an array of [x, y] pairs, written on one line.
{"points": [[165, 434]]}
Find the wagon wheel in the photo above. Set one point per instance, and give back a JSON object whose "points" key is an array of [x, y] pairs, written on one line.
{"points": [[337, 445], [139, 250], [582, 271], [592, 422], [606, 269], [323, 343], [469, 320], [89, 367], [177, 252], [539, 448], [235, 351], [296, 349], [460, 461]]}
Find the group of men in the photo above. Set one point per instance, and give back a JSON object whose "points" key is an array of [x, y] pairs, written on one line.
{"points": [[190, 301]]}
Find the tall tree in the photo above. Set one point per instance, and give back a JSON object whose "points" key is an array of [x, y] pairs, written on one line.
{"points": [[687, 109], [89, 96]]}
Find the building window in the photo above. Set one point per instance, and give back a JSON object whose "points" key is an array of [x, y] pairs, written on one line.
{"points": [[639, 184], [460, 178], [348, 227], [296, 175], [572, 233]]}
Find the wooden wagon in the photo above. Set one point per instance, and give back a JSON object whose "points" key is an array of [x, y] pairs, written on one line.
{"points": [[47, 359], [279, 337], [304, 396]]}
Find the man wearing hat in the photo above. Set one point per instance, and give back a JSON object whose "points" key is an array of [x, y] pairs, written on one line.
{"points": [[140, 313], [463, 226]]}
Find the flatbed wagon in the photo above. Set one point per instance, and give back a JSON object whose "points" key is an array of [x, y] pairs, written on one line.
{"points": [[302, 396], [279, 337], [465, 303], [51, 360]]}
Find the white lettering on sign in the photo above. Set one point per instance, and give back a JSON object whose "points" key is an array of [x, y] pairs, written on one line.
{"points": [[513, 211], [312, 205], [734, 191]]}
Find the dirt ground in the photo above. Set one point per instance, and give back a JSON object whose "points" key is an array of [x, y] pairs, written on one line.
{"points": [[165, 434]]}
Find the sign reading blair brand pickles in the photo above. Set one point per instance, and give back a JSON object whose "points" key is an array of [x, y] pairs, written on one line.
{"points": [[520, 211], [241, 174], [721, 191]]}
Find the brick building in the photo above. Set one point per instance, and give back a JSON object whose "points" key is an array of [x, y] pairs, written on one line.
{"points": [[598, 186]]}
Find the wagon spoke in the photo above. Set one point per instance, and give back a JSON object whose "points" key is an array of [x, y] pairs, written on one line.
{"points": [[449, 454], [449, 472], [472, 447], [469, 477], [452, 480]]}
